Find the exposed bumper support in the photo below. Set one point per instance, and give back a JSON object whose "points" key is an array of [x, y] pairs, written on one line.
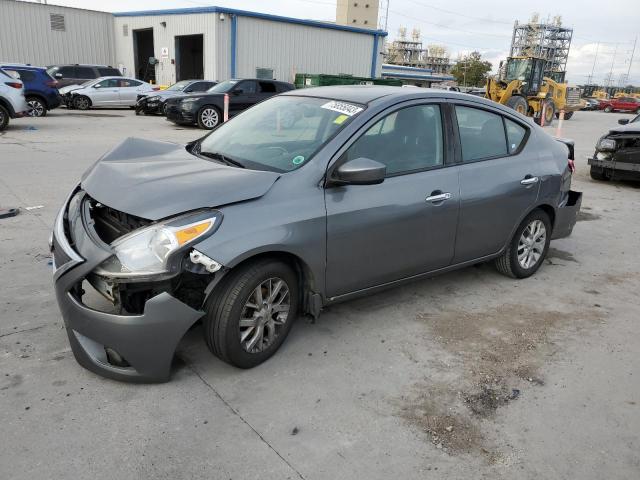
{"points": [[567, 215]]}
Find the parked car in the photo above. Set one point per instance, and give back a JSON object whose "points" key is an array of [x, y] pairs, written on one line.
{"points": [[106, 92], [264, 219], [40, 90], [591, 104], [622, 104], [12, 101], [617, 154], [78, 74], [154, 103], [206, 110]]}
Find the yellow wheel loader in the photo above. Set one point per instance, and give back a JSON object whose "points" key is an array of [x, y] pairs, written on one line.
{"points": [[524, 89]]}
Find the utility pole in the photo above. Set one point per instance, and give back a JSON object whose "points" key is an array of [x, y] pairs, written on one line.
{"points": [[633, 51], [594, 64], [613, 59]]}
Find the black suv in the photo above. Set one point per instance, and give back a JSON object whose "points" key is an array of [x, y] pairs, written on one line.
{"points": [[206, 109], [77, 74]]}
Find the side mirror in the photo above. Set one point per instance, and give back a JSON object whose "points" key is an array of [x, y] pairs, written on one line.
{"points": [[360, 171], [188, 90], [623, 121], [58, 75], [97, 85]]}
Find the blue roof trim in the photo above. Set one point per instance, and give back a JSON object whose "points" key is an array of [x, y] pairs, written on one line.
{"points": [[388, 66], [374, 57], [417, 77], [245, 13]]}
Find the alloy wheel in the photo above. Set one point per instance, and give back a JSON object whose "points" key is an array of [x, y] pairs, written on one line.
{"points": [[264, 315], [531, 244], [209, 117], [82, 103], [36, 108]]}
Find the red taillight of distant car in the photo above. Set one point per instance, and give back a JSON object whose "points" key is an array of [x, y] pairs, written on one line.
{"points": [[14, 84]]}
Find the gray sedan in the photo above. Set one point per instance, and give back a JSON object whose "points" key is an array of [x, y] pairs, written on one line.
{"points": [[307, 199]]}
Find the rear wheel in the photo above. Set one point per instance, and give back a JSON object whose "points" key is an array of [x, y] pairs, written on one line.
{"points": [[4, 117], [82, 103], [528, 247], [208, 117], [251, 315], [598, 173], [519, 104], [37, 108]]}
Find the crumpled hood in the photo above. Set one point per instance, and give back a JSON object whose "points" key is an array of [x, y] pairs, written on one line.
{"points": [[628, 128], [69, 88], [155, 180]]}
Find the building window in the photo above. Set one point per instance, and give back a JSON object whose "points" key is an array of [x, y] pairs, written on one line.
{"points": [[125, 30], [57, 22], [366, 21], [354, 20]]}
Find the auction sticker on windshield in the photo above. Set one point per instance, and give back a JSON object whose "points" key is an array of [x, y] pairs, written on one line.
{"points": [[342, 107]]}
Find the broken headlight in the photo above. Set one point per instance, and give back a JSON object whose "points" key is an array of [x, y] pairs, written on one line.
{"points": [[146, 251], [606, 144]]}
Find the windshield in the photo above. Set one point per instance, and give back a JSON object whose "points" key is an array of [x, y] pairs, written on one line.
{"points": [[179, 86], [223, 87], [280, 134], [518, 69], [636, 119]]}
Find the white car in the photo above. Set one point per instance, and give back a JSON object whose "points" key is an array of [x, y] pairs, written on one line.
{"points": [[105, 92], [12, 101]]}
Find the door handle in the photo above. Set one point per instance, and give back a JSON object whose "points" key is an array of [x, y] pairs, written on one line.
{"points": [[529, 180], [438, 197]]}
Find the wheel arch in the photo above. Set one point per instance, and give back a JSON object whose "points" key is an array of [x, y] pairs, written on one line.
{"points": [[309, 290], [7, 105]]}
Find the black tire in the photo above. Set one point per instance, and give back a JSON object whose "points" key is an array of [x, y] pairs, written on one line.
{"points": [[567, 115], [206, 117], [550, 112], [608, 109], [519, 104], [598, 174], [508, 263], [4, 117], [225, 307], [37, 108], [164, 109], [82, 102]]}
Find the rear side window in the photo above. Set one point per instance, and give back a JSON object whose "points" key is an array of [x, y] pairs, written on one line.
{"points": [[481, 134], [84, 72], [26, 75], [109, 83], [515, 135], [267, 87], [108, 72], [130, 83], [201, 86]]}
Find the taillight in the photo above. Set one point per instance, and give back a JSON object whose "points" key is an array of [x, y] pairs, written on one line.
{"points": [[14, 84], [572, 165], [52, 83]]}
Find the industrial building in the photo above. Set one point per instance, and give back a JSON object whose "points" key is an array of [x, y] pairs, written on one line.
{"points": [[203, 42]]}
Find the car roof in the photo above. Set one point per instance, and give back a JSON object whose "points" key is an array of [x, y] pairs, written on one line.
{"points": [[80, 65], [21, 66], [365, 94], [260, 80]]}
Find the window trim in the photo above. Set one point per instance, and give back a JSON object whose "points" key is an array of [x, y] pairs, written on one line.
{"points": [[502, 115], [447, 151]]}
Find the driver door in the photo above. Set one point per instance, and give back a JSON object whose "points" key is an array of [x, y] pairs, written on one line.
{"points": [[405, 225], [105, 93], [244, 95]]}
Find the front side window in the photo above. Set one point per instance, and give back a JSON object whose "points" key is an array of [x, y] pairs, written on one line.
{"points": [[179, 86], [280, 134], [108, 83], [223, 87], [406, 140], [481, 134], [26, 75]]}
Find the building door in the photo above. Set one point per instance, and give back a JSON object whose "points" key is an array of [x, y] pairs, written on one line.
{"points": [[189, 57], [143, 50]]}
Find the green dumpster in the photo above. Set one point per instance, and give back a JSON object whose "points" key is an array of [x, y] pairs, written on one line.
{"points": [[306, 80]]}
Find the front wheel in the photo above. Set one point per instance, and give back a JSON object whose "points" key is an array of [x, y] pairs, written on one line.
{"points": [[208, 117], [82, 103], [251, 315], [528, 247], [608, 109], [4, 117], [37, 108], [598, 174]]}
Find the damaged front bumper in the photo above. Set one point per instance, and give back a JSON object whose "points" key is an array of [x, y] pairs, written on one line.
{"points": [[135, 348], [611, 165]]}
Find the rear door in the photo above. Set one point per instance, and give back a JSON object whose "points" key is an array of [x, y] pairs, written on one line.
{"points": [[129, 89], [406, 225], [266, 89], [499, 179]]}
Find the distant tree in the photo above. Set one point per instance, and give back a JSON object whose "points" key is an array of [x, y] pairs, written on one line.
{"points": [[471, 70]]}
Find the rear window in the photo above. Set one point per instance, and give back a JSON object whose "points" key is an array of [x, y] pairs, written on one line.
{"points": [[267, 87], [108, 72], [84, 72], [26, 75], [515, 135]]}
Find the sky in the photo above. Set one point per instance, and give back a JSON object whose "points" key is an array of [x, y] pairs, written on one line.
{"points": [[607, 28]]}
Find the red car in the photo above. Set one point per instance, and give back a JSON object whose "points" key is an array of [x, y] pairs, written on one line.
{"points": [[629, 104]]}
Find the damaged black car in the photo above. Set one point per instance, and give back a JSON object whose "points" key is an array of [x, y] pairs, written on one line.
{"points": [[617, 155]]}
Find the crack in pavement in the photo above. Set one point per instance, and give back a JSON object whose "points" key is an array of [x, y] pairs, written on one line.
{"points": [[22, 331], [22, 202], [236, 413]]}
